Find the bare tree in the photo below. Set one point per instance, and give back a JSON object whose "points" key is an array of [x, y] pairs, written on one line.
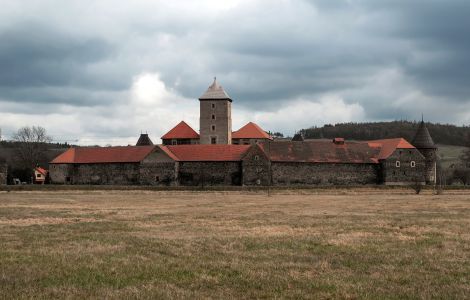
{"points": [[31, 145]]}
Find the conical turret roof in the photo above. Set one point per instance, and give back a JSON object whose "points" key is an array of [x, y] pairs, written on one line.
{"points": [[215, 92], [144, 140], [423, 139], [298, 137]]}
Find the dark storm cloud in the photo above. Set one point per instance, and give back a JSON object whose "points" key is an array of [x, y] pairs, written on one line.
{"points": [[42, 64], [394, 58]]}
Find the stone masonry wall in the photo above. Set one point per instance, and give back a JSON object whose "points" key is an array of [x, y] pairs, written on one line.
{"points": [[209, 173], [3, 173], [112, 174], [287, 173], [255, 167], [430, 156], [158, 169], [405, 173], [60, 173]]}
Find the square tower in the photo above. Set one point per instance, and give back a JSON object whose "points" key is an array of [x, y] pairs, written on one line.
{"points": [[215, 116]]}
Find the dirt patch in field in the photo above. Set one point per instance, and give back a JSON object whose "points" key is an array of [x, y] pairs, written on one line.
{"points": [[44, 221]]}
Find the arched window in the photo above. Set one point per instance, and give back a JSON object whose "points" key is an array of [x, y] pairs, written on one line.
{"points": [[397, 164], [413, 164]]}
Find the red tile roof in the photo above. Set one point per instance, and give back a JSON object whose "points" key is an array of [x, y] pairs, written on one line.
{"points": [[41, 170], [320, 151], [208, 152], [250, 131], [388, 146], [89, 155], [181, 131]]}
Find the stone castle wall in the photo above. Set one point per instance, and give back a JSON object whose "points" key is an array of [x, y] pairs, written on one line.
{"points": [[254, 169], [405, 173], [3, 173], [209, 173], [103, 174], [430, 156], [158, 169], [288, 173]]}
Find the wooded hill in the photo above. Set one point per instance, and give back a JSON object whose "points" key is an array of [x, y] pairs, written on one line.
{"points": [[441, 133]]}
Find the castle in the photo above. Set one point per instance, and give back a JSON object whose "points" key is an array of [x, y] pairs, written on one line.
{"points": [[249, 156]]}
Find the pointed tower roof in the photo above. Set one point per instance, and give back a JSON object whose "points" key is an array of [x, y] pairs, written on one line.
{"points": [[250, 131], [298, 137], [215, 92], [144, 140], [181, 131], [423, 139]]}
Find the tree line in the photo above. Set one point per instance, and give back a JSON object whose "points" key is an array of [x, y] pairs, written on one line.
{"points": [[441, 133]]}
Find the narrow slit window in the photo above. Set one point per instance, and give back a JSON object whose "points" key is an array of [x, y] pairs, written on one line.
{"points": [[397, 164], [413, 164]]}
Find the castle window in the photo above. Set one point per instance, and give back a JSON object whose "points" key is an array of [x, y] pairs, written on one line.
{"points": [[213, 117], [397, 164], [213, 105], [213, 140], [213, 127], [256, 157], [157, 178], [413, 164]]}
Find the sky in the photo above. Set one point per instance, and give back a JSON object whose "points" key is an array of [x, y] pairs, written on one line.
{"points": [[103, 71]]}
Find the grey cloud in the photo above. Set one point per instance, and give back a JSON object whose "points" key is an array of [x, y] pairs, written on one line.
{"points": [[265, 53]]}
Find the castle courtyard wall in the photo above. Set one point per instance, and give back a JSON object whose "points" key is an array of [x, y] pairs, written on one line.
{"points": [[103, 174], [210, 173], [3, 173], [158, 169], [300, 173]]}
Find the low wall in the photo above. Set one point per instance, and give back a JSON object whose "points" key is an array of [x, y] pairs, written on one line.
{"points": [[209, 173], [288, 173]]}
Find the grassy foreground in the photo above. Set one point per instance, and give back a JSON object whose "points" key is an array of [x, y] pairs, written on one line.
{"points": [[300, 244]]}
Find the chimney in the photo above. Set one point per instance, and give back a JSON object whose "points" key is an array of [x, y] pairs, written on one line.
{"points": [[338, 141]]}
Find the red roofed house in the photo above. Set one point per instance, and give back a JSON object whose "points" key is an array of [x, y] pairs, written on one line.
{"points": [[251, 133], [40, 175], [181, 134]]}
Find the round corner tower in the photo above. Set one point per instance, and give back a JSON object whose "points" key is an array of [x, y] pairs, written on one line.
{"points": [[215, 116], [425, 145]]}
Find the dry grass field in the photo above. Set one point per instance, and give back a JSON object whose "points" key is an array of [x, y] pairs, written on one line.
{"points": [[363, 243]]}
